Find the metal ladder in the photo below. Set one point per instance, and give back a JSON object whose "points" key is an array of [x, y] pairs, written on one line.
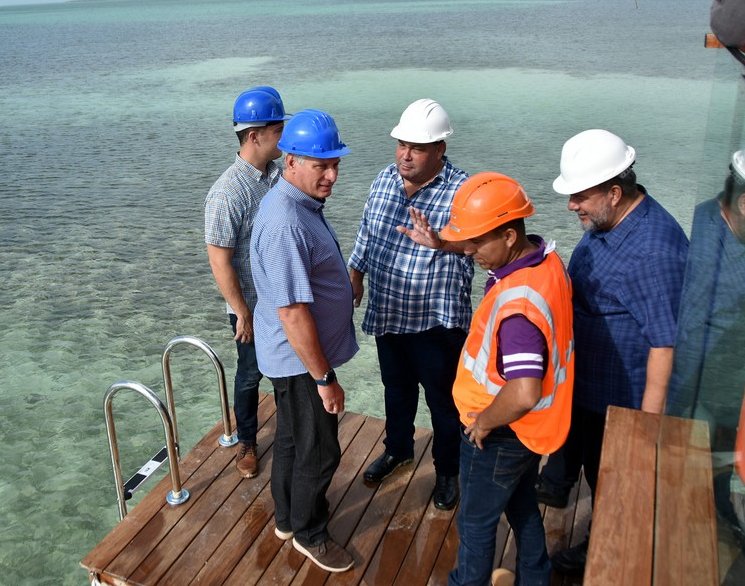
{"points": [[167, 414]]}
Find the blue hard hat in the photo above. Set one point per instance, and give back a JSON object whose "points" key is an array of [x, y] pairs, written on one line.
{"points": [[256, 106], [312, 133], [268, 89]]}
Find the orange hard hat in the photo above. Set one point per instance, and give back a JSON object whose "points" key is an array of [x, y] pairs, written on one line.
{"points": [[485, 201]]}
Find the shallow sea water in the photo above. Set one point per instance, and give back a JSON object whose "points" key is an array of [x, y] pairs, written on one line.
{"points": [[115, 121]]}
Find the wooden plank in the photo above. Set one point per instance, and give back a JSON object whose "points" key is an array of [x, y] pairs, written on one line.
{"points": [[558, 523], [110, 546], [685, 545], [154, 534], [196, 536], [218, 489], [249, 532], [712, 42], [285, 562], [214, 534], [356, 510], [121, 536], [582, 513], [405, 524], [349, 507], [426, 545], [226, 535], [447, 557], [376, 517], [579, 525], [261, 551], [154, 531], [621, 551]]}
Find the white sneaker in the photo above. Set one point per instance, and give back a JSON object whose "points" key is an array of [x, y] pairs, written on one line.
{"points": [[283, 535]]}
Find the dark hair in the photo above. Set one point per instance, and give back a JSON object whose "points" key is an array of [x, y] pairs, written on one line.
{"points": [[626, 181], [517, 225], [734, 185], [243, 134]]}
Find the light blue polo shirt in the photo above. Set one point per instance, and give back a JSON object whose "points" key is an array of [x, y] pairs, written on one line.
{"points": [[295, 258]]}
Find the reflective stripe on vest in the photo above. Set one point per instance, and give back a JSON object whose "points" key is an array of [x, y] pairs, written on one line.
{"points": [[477, 365]]}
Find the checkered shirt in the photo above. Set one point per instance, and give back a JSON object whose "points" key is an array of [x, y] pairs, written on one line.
{"points": [[297, 259], [229, 211], [411, 288], [627, 285]]}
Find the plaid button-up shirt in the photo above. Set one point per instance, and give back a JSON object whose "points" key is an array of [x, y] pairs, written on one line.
{"points": [[229, 212], [626, 285], [411, 288]]}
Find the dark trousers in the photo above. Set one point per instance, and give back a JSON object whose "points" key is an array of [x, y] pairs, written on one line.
{"points": [[429, 358], [246, 389], [582, 448], [306, 455]]}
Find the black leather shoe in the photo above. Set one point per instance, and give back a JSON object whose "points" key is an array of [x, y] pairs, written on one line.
{"points": [[384, 466], [446, 492], [550, 495], [572, 560]]}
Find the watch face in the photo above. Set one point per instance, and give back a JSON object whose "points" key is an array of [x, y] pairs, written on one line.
{"points": [[328, 378]]}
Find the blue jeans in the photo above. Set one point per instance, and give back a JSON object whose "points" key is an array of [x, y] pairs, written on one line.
{"points": [[499, 478], [306, 455], [246, 390], [429, 358]]}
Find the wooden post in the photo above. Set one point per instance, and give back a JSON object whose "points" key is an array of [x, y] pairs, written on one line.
{"points": [[711, 42]]}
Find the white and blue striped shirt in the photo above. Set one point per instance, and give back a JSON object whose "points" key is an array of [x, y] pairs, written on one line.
{"points": [[296, 259]]}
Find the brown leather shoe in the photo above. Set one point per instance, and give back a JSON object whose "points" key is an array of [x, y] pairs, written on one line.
{"points": [[246, 460], [328, 555]]}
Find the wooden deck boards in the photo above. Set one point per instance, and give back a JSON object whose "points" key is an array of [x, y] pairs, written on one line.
{"points": [[224, 534], [659, 467]]}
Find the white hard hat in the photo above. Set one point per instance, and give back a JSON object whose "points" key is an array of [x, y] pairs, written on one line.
{"points": [[423, 122], [590, 158], [738, 164]]}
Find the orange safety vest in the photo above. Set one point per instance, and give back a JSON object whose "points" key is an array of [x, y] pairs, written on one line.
{"points": [[543, 294]]}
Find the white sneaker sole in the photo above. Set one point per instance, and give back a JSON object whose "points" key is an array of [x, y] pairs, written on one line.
{"points": [[309, 555], [283, 535]]}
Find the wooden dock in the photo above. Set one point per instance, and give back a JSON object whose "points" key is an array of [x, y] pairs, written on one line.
{"points": [[224, 534]]}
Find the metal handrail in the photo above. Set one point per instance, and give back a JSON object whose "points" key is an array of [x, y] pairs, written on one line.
{"points": [[174, 497], [227, 438]]}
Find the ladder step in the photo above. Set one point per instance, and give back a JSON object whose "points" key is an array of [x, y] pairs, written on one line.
{"points": [[145, 472]]}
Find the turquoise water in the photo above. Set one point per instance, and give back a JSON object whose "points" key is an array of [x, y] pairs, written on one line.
{"points": [[115, 121]]}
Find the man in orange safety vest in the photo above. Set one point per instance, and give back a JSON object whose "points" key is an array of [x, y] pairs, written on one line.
{"points": [[513, 388]]}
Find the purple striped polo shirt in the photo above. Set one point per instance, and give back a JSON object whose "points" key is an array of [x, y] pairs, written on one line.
{"points": [[522, 350]]}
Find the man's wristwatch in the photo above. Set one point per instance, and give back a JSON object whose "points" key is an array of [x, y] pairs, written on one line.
{"points": [[328, 378]]}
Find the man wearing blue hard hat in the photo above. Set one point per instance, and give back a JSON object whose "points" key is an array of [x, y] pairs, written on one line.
{"points": [[303, 325], [229, 210]]}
